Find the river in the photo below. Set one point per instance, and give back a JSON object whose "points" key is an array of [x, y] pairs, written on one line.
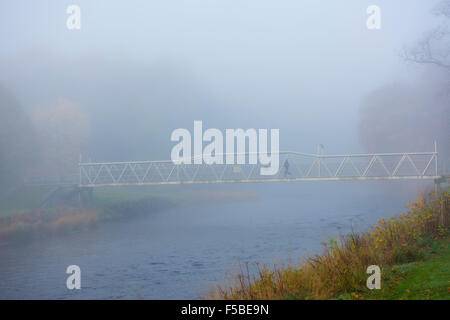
{"points": [[176, 253]]}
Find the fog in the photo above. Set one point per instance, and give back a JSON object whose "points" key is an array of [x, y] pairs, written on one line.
{"points": [[115, 90], [140, 70]]}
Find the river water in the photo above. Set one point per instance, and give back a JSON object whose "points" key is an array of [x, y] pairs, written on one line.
{"points": [[176, 253]]}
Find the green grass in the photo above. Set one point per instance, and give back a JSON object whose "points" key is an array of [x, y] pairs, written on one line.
{"points": [[120, 198], [175, 194], [412, 250], [115, 202], [116, 195], [427, 279], [23, 199], [30, 197]]}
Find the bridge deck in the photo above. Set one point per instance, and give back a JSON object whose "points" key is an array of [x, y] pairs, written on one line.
{"points": [[293, 167]]}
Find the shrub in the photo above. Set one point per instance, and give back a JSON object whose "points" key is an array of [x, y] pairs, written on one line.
{"points": [[340, 271]]}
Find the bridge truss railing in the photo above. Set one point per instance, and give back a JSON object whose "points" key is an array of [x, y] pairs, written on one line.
{"points": [[293, 166]]}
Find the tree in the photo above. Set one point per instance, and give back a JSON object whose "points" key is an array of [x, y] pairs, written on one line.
{"points": [[18, 143], [63, 130], [406, 117], [410, 116], [434, 46]]}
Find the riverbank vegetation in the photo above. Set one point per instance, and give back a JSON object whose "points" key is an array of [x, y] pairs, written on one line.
{"points": [[28, 214], [38, 223], [412, 251], [38, 211]]}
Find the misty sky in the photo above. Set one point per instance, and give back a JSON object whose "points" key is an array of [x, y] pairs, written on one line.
{"points": [[300, 66]]}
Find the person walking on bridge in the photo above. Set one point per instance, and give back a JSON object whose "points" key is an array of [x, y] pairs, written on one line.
{"points": [[286, 168]]}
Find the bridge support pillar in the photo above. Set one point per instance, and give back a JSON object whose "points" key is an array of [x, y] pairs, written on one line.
{"points": [[443, 206], [437, 187], [85, 195]]}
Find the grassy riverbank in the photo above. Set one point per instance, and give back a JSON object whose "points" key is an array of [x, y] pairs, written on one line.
{"points": [[24, 199], [427, 278], [412, 251], [27, 214]]}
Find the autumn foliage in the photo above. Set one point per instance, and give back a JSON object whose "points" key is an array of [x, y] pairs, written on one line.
{"points": [[41, 223], [341, 269]]}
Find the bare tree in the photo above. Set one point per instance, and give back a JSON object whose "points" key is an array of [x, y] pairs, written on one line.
{"points": [[434, 46]]}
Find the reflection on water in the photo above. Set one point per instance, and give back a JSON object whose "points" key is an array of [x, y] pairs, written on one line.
{"points": [[176, 253]]}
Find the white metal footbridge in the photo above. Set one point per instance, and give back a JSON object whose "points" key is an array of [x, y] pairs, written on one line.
{"points": [[293, 166]]}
